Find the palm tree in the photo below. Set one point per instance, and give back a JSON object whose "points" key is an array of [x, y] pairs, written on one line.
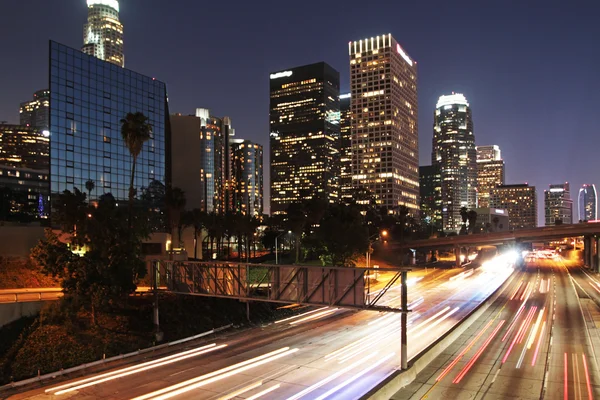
{"points": [[90, 185], [135, 131], [175, 204], [472, 217], [195, 218]]}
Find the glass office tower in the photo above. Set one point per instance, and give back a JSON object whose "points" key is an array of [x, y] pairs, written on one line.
{"points": [[88, 99], [588, 203]]}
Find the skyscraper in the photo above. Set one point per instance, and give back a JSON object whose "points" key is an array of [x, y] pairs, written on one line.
{"points": [[103, 32], [430, 187], [521, 202], [588, 203], [36, 113], [200, 159], [558, 204], [454, 152], [345, 146], [490, 172], [385, 140], [305, 134], [85, 128], [24, 147], [247, 177]]}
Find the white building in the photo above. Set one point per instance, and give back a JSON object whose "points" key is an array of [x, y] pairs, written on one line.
{"points": [[103, 32], [492, 219]]}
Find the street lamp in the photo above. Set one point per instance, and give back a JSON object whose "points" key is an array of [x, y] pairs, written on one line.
{"points": [[384, 233], [277, 237]]}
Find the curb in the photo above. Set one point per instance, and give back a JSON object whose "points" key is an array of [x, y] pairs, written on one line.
{"points": [[55, 374]]}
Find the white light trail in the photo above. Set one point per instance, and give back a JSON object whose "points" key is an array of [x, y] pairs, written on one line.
{"points": [[314, 316], [300, 315], [266, 391], [241, 391]]}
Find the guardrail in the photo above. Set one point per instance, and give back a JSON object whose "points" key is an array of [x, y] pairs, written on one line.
{"points": [[48, 294]]}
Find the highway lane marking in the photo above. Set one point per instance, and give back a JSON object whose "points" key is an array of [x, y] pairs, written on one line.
{"points": [[181, 372]]}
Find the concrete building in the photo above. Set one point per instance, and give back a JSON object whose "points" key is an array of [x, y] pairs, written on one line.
{"points": [[103, 32], [86, 141], [247, 177], [490, 172], [588, 203], [24, 147], [36, 113], [454, 152], [493, 219], [558, 204], [305, 135], [200, 159], [521, 203], [385, 138], [430, 187]]}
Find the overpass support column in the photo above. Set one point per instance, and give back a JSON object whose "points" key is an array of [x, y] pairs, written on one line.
{"points": [[457, 253], [587, 251], [596, 264]]}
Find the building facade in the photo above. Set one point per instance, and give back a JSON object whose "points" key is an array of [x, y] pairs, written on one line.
{"points": [[200, 159], [304, 135], [430, 188], [346, 147], [558, 204], [454, 152], [520, 201], [23, 194], [588, 203], [88, 99], [103, 32], [24, 147], [493, 219], [247, 177], [490, 172], [36, 113], [385, 140]]}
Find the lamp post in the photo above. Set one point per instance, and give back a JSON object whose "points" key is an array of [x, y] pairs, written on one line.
{"points": [[384, 234], [276, 246]]}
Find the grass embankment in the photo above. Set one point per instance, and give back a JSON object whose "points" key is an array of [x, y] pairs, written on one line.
{"points": [[18, 273], [60, 339]]}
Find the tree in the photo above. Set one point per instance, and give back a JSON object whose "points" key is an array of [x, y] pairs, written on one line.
{"points": [[135, 131], [89, 186], [71, 212], [472, 218], [175, 200], [465, 217]]}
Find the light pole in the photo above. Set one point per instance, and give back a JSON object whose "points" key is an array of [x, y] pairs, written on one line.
{"points": [[277, 237], [384, 234]]}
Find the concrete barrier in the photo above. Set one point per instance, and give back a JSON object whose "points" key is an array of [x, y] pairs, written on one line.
{"points": [[400, 379], [10, 312]]}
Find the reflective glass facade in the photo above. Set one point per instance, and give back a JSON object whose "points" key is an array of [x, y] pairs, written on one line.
{"points": [[385, 132], [305, 133], [430, 188], [521, 203], [89, 97], [345, 147], [454, 152], [588, 206]]}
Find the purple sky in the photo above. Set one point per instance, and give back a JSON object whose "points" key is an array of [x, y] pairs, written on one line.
{"points": [[528, 68]]}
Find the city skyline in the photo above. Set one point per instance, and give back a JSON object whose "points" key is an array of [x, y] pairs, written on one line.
{"points": [[522, 138]]}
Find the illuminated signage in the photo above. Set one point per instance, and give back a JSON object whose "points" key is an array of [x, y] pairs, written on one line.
{"points": [[283, 74], [111, 3], [557, 190], [404, 55]]}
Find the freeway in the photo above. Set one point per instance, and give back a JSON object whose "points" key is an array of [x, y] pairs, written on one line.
{"points": [[532, 343], [320, 353]]}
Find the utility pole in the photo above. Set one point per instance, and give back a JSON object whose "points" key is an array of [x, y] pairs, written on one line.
{"points": [[158, 335]]}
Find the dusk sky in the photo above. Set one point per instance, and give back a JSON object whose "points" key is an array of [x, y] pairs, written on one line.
{"points": [[528, 68]]}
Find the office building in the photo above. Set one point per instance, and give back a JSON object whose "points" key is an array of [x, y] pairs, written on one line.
{"points": [[247, 177], [558, 204], [23, 194], [24, 147], [103, 32], [305, 135], [588, 203], [36, 113], [490, 172], [346, 147], [520, 201], [385, 138], [88, 99], [492, 219], [200, 159], [454, 152], [430, 188]]}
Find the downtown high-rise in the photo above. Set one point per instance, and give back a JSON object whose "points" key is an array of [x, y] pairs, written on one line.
{"points": [[246, 177], [346, 188], [103, 32], [304, 135], [490, 173], [588, 203], [454, 152], [558, 204], [385, 141], [520, 200], [36, 113]]}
